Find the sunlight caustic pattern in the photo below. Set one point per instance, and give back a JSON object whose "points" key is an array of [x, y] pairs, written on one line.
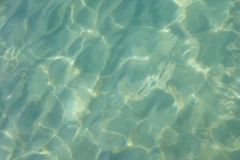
{"points": [[119, 79]]}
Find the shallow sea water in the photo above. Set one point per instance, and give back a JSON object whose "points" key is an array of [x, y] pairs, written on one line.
{"points": [[119, 79]]}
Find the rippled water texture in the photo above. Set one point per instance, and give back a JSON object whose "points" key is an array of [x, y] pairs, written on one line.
{"points": [[119, 79]]}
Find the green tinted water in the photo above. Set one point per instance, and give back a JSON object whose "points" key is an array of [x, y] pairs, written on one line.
{"points": [[119, 80]]}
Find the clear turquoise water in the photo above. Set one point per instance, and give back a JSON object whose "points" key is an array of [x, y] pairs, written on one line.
{"points": [[119, 80]]}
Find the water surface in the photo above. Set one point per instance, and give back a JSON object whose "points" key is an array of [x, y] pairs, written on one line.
{"points": [[119, 80]]}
